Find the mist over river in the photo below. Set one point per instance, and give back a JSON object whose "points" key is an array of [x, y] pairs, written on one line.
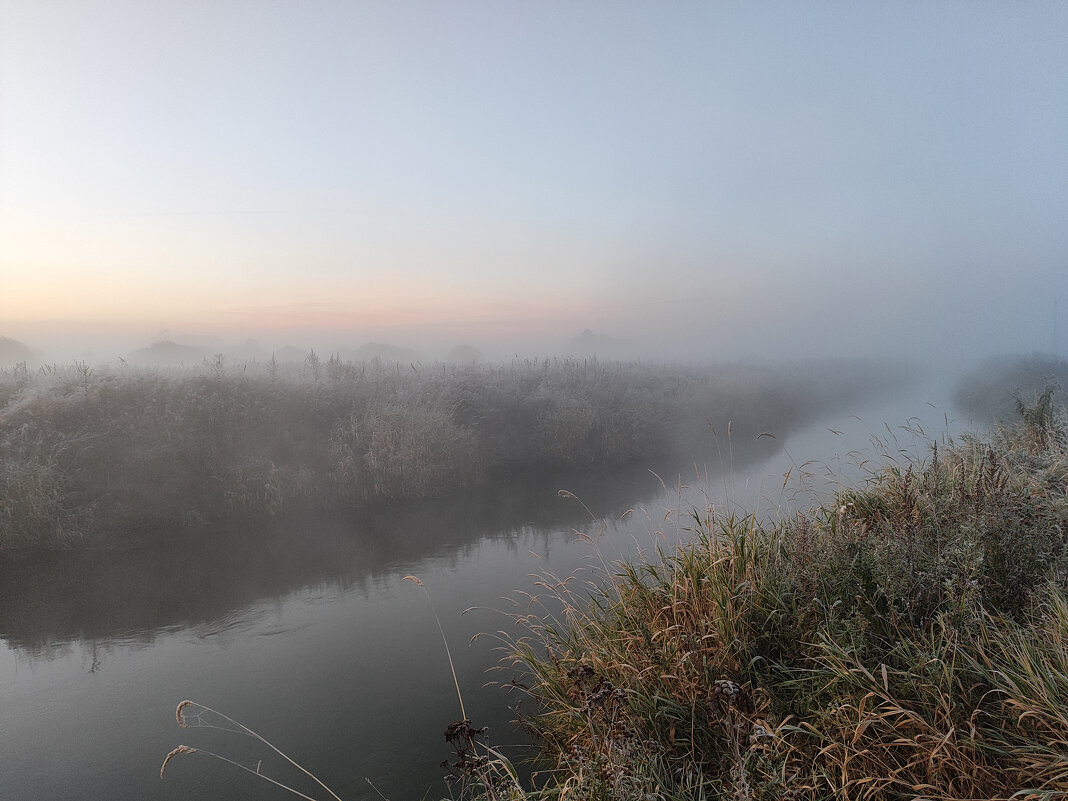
{"points": [[307, 633], [300, 299]]}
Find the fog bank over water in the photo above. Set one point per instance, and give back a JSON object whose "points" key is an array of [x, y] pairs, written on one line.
{"points": [[301, 299], [758, 343]]}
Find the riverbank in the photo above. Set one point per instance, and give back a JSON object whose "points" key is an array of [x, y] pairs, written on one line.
{"points": [[99, 456], [908, 640]]}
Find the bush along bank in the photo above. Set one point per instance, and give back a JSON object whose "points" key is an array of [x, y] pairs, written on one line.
{"points": [[908, 640], [85, 454]]}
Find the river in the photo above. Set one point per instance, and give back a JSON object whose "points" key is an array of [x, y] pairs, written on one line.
{"points": [[305, 630]]}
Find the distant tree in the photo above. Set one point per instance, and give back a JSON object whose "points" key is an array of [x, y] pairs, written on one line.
{"points": [[386, 352], [12, 351], [586, 342], [465, 354], [590, 344], [168, 353]]}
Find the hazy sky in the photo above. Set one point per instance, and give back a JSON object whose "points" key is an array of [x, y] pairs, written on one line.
{"points": [[709, 178]]}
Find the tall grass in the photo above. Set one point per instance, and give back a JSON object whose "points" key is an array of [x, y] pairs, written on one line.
{"points": [[991, 390], [907, 640], [87, 452]]}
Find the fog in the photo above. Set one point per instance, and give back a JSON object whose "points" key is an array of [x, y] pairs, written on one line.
{"points": [[719, 183], [299, 299]]}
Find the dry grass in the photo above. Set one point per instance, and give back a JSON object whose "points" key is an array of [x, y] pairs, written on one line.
{"points": [[909, 640], [990, 392], [478, 771], [190, 713], [85, 452]]}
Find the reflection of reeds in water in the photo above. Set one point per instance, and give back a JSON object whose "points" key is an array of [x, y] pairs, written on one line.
{"points": [[477, 771], [83, 450], [909, 639]]}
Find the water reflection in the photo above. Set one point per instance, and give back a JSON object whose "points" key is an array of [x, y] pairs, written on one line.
{"points": [[181, 583], [304, 629]]}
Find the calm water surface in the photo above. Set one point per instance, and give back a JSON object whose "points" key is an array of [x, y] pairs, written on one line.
{"points": [[305, 630]]}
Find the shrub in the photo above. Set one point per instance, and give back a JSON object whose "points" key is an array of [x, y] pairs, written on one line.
{"points": [[89, 451]]}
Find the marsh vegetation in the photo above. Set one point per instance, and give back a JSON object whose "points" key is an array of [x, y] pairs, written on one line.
{"points": [[994, 389], [908, 639], [104, 455], [904, 637]]}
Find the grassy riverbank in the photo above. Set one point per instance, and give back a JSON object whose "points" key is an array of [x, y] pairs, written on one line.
{"points": [[908, 640], [989, 392], [95, 455]]}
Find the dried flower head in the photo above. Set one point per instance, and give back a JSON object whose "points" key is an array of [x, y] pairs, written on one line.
{"points": [[182, 749], [178, 713]]}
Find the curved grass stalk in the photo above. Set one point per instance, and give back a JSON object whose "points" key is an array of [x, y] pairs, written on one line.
{"points": [[186, 749], [445, 642], [463, 728], [240, 729]]}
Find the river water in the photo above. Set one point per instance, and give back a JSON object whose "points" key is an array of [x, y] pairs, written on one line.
{"points": [[305, 630]]}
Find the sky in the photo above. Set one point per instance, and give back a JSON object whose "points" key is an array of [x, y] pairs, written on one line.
{"points": [[721, 180]]}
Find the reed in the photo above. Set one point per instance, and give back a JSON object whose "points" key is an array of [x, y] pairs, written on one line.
{"points": [[479, 771], [88, 452], [906, 640], [190, 713], [991, 390]]}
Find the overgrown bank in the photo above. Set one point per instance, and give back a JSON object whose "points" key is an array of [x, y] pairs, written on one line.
{"points": [[990, 391], [85, 454], [908, 640]]}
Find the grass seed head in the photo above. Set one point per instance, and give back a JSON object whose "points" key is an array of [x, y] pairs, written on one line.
{"points": [[178, 714], [182, 749]]}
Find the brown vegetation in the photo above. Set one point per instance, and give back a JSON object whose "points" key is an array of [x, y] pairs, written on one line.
{"points": [[85, 452], [910, 640]]}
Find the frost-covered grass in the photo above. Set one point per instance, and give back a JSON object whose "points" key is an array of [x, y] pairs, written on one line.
{"points": [[908, 640], [990, 391], [86, 452]]}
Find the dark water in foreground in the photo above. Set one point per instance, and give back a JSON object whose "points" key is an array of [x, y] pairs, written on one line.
{"points": [[307, 632]]}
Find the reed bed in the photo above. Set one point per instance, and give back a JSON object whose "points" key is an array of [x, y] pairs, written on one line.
{"points": [[88, 453], [907, 640], [990, 391]]}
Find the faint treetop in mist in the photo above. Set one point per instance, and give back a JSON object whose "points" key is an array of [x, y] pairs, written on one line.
{"points": [[167, 353], [12, 352], [993, 389], [465, 354], [590, 344], [385, 352]]}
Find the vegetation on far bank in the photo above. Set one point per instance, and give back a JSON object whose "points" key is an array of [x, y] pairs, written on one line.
{"points": [[86, 453], [990, 391], [907, 640]]}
